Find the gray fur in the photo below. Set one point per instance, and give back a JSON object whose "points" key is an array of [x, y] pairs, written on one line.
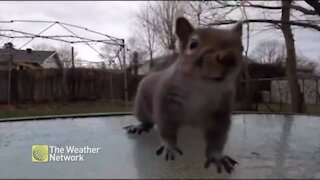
{"points": [[185, 94]]}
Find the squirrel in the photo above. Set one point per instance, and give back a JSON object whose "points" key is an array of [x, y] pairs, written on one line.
{"points": [[197, 89]]}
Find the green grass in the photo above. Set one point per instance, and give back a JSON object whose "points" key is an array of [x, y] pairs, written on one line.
{"points": [[45, 109], [58, 109], [309, 108]]}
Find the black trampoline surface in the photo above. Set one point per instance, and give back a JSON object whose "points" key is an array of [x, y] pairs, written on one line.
{"points": [[265, 145]]}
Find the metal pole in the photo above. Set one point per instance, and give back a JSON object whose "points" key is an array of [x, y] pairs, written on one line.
{"points": [[125, 74], [9, 79], [72, 57], [270, 100], [111, 88], [317, 93]]}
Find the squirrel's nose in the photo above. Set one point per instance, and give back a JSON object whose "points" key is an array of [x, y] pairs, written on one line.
{"points": [[227, 58]]}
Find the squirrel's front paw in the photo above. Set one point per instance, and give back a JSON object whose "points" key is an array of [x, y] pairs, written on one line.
{"points": [[143, 127], [227, 162], [169, 152]]}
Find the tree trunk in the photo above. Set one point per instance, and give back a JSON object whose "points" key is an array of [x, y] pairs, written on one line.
{"points": [[295, 92], [135, 63], [172, 44], [151, 59]]}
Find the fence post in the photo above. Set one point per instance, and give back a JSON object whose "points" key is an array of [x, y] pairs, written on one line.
{"points": [[303, 90], [270, 99], [125, 75], [317, 93], [9, 78]]}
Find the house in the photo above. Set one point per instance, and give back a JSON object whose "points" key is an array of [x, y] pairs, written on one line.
{"points": [[28, 59]]}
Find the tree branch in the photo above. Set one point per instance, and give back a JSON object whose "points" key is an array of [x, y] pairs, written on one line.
{"points": [[295, 7], [271, 21], [315, 4], [303, 10]]}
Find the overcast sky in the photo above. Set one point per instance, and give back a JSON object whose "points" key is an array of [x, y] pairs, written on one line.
{"points": [[114, 18], [109, 17]]}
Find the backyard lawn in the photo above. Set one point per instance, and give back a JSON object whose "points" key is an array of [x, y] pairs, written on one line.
{"points": [[24, 110], [309, 108], [58, 109]]}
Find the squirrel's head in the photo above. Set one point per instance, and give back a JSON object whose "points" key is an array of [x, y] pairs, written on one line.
{"points": [[209, 53]]}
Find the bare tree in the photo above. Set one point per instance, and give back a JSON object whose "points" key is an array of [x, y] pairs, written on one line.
{"points": [[111, 56], [270, 52], [305, 63], [274, 52], [220, 12], [146, 21], [166, 13], [65, 53], [296, 95], [137, 51], [199, 11], [135, 44], [157, 19], [306, 19]]}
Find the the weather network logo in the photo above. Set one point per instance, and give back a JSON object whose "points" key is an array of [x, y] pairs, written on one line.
{"points": [[40, 153], [49, 153]]}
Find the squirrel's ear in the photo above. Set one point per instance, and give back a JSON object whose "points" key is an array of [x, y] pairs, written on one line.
{"points": [[183, 30], [238, 28]]}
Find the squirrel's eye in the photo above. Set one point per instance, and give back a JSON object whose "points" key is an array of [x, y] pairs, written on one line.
{"points": [[193, 44]]}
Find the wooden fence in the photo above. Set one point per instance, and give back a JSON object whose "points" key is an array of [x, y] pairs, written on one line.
{"points": [[47, 85]]}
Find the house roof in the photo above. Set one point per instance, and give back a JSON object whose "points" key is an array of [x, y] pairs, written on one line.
{"points": [[24, 55]]}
